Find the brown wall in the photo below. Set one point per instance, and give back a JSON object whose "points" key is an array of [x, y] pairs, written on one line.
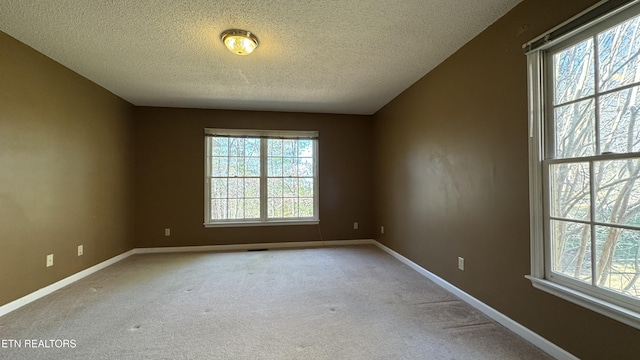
{"points": [[66, 171], [170, 176], [452, 180], [450, 177]]}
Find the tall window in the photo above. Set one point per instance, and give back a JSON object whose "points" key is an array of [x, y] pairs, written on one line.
{"points": [[260, 177], [585, 165]]}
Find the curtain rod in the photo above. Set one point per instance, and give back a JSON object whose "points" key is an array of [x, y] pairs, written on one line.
{"points": [[576, 23]]}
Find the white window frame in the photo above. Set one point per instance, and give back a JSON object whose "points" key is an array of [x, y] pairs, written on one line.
{"points": [[602, 302], [264, 136]]}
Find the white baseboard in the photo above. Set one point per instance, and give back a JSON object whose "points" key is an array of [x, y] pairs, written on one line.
{"points": [[537, 340], [243, 247], [16, 304]]}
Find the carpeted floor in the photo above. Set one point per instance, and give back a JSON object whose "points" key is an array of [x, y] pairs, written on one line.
{"points": [[352, 302]]}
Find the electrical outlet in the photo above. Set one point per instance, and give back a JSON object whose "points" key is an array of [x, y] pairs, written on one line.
{"points": [[461, 263], [355, 226], [381, 229], [49, 260], [80, 250], [167, 232]]}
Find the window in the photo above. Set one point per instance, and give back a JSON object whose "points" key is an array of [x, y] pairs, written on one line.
{"points": [[260, 177], [584, 90]]}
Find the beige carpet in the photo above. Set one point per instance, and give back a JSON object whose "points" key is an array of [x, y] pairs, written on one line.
{"points": [[325, 303]]}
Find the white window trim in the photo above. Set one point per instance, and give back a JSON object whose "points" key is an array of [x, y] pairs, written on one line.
{"points": [[264, 221], [260, 223], [607, 306]]}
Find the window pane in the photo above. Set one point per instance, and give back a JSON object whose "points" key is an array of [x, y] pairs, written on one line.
{"points": [[289, 207], [236, 209], [220, 166], [252, 188], [573, 70], [275, 166], [275, 147], [252, 166], [220, 146], [305, 167], [236, 165], [289, 167], [218, 209], [575, 130], [585, 95], [618, 261], [290, 187], [306, 207], [252, 208], [290, 148], [236, 146], [219, 188], [306, 187], [275, 208], [571, 249], [570, 194], [305, 148], [236, 188], [619, 127], [274, 187], [618, 55], [252, 147], [618, 191], [238, 178]]}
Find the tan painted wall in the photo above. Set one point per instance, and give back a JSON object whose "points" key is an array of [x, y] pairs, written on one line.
{"points": [[66, 171], [450, 177], [170, 176], [452, 180]]}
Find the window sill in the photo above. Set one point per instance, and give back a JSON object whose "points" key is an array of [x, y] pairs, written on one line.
{"points": [[261, 223], [600, 306]]}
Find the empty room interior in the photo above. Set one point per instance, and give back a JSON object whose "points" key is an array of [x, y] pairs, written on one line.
{"points": [[411, 125]]}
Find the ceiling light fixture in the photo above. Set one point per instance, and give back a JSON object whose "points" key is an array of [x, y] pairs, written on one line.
{"points": [[239, 42]]}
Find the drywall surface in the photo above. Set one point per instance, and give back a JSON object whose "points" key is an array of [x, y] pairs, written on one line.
{"points": [[66, 171], [170, 176], [451, 177]]}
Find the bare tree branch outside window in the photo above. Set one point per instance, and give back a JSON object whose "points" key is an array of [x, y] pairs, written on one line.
{"points": [[595, 200]]}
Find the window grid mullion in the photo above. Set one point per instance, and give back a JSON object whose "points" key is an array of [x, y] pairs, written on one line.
{"points": [[235, 162], [282, 177], [580, 99], [208, 169], [612, 299], [550, 111], [596, 89], [592, 178], [596, 223], [241, 181], [598, 93], [592, 216], [264, 156], [604, 157], [226, 188]]}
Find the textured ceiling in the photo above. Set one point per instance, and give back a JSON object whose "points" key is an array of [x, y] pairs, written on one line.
{"points": [[347, 56]]}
